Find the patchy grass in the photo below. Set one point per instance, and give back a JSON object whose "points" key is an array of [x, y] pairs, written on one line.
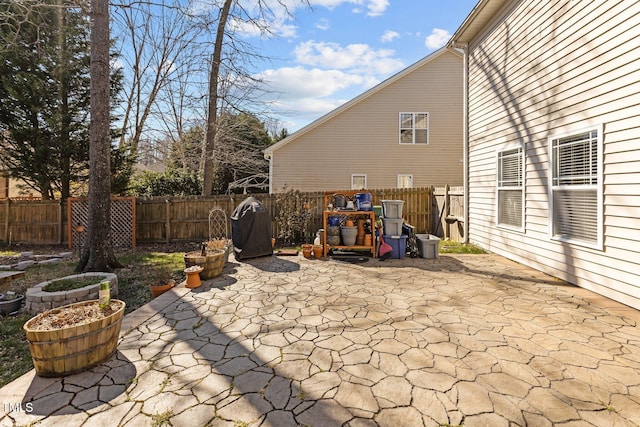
{"points": [[71, 284], [162, 419], [142, 267], [451, 247], [15, 358]]}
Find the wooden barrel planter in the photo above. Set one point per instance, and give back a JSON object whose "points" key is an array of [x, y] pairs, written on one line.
{"points": [[212, 262], [71, 349]]}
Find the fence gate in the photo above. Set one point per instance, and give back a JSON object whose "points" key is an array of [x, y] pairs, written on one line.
{"points": [[123, 213]]}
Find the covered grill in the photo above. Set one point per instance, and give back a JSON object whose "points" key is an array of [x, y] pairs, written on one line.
{"points": [[251, 230]]}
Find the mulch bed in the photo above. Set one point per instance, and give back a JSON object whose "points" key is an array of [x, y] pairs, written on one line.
{"points": [[64, 317]]}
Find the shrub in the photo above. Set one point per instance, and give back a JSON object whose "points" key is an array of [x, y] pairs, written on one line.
{"points": [[293, 215], [171, 182]]}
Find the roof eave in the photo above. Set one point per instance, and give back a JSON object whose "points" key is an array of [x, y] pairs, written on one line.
{"points": [[479, 17]]}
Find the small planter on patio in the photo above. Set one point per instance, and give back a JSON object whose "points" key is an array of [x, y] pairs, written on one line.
{"points": [[10, 303], [212, 262], [160, 288]]}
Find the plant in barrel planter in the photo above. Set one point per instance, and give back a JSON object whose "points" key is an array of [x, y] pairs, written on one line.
{"points": [[74, 337], [212, 258], [10, 302]]}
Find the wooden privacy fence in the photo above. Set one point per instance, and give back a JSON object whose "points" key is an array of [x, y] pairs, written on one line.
{"points": [[430, 210], [31, 221], [449, 221]]}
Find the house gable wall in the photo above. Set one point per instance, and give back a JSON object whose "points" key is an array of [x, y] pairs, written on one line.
{"points": [[545, 68], [364, 137]]}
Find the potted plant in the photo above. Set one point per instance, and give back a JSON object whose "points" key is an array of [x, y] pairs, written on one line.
{"points": [[162, 282], [211, 259], [10, 302], [74, 337]]}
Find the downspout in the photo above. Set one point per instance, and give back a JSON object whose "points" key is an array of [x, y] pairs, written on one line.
{"points": [[269, 156], [465, 135]]}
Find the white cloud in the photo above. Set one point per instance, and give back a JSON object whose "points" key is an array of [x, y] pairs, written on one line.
{"points": [[377, 7], [329, 4], [354, 57], [278, 26], [389, 36], [299, 82], [300, 95], [437, 38], [323, 24], [373, 7]]}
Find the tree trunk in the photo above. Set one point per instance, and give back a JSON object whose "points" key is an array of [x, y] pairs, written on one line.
{"points": [[63, 98], [99, 255], [212, 118]]}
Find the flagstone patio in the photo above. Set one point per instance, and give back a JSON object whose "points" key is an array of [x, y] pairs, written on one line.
{"points": [[473, 340]]}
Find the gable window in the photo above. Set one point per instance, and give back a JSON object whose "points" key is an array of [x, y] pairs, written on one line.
{"points": [[510, 188], [414, 128], [576, 187], [358, 181], [405, 181]]}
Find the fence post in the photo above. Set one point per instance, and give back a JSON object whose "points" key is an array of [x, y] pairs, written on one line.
{"points": [[447, 212], [168, 220], [60, 229], [6, 220]]}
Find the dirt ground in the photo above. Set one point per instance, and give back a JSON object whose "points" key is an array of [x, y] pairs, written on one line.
{"points": [[54, 249]]}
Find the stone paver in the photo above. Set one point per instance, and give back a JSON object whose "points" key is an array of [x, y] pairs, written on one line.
{"points": [[471, 340]]}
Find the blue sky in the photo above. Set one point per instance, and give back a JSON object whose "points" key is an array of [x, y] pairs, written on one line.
{"points": [[341, 48]]}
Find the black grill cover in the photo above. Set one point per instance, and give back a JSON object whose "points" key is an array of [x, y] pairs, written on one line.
{"points": [[251, 230]]}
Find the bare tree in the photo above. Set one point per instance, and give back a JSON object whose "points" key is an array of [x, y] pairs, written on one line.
{"points": [[258, 16], [212, 116], [154, 36]]}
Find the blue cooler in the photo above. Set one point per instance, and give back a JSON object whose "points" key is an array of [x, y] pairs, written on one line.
{"points": [[363, 201]]}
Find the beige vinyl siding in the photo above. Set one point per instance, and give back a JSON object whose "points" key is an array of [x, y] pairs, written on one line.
{"points": [[363, 138], [545, 68]]}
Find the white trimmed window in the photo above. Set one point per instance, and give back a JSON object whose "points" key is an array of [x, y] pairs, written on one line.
{"points": [[576, 187], [358, 181], [405, 180], [510, 188], [414, 128]]}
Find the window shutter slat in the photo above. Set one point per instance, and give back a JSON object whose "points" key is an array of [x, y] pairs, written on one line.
{"points": [[510, 195], [510, 207], [575, 215]]}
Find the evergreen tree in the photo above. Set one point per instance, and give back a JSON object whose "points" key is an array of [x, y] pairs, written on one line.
{"points": [[44, 98]]}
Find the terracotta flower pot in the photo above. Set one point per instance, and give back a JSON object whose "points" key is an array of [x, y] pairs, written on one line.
{"points": [[157, 290], [193, 276], [317, 251], [307, 250]]}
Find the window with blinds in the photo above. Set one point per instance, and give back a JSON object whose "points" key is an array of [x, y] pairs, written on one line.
{"points": [[510, 188], [575, 187], [414, 128]]}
